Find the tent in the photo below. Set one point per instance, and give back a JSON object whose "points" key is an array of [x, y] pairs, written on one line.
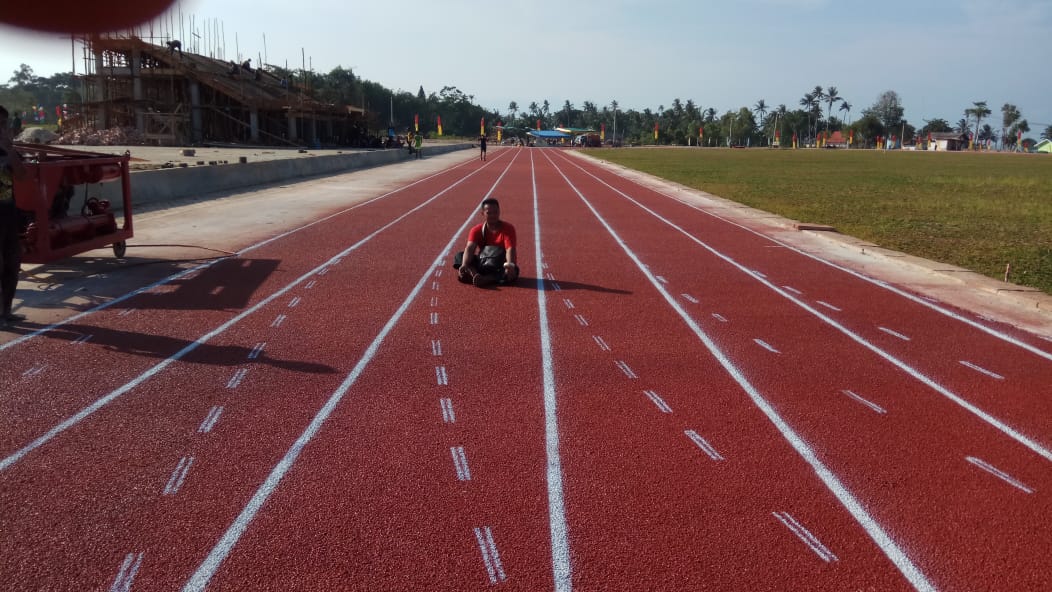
{"points": [[1044, 146]]}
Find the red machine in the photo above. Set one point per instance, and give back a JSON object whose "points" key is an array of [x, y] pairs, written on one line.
{"points": [[54, 177]]}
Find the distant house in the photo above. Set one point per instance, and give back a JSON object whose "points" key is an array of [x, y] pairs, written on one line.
{"points": [[948, 141], [836, 140]]}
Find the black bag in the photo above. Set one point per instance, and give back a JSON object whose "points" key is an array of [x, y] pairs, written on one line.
{"points": [[458, 259], [491, 260]]}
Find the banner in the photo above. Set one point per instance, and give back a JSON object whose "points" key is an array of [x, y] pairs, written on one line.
{"points": [[538, 125], [602, 132], [499, 130], [438, 119], [655, 130], [482, 127], [416, 122]]}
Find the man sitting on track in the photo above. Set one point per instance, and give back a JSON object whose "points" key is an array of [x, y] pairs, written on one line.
{"points": [[489, 256]]}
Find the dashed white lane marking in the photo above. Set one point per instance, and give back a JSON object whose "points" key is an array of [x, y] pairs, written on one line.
{"points": [[126, 312], [719, 317], [982, 464], [236, 379], [37, 369], [490, 555], [661, 279], [460, 462], [310, 284], [581, 320], [602, 344], [624, 368], [216, 290], [178, 475], [438, 272], [436, 347], [126, 575], [658, 401], [894, 333], [550, 276], [568, 303], [556, 287], [84, 338], [434, 318], [766, 346], [793, 290], [323, 271], [869, 404], [448, 415], [805, 535], [256, 351], [703, 444], [337, 261], [441, 376], [434, 285], [434, 301], [758, 273], [981, 369], [210, 420], [829, 306], [296, 300], [278, 320], [689, 298]]}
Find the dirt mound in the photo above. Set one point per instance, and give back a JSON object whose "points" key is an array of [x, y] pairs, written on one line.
{"points": [[36, 135], [115, 136]]}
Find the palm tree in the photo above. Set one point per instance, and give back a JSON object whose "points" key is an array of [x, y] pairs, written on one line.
{"points": [[819, 95], [980, 111], [807, 102], [513, 108], [845, 106], [1047, 134], [761, 108], [832, 96], [962, 123]]}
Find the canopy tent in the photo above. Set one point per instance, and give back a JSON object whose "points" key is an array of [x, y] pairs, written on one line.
{"points": [[1044, 146], [575, 131], [548, 134]]}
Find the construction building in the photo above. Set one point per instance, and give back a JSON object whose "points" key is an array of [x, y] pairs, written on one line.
{"points": [[172, 97]]}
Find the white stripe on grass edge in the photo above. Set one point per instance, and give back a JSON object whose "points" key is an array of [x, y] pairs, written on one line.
{"points": [[846, 498], [157, 368], [556, 508], [200, 578]]}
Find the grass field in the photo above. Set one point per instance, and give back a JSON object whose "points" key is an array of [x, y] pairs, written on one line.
{"points": [[977, 211]]}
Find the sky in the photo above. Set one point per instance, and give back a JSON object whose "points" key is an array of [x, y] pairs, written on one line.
{"points": [[940, 56]]}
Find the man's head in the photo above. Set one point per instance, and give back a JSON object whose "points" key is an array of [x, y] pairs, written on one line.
{"points": [[491, 210]]}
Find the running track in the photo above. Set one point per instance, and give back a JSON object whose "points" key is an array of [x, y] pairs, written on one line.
{"points": [[667, 401]]}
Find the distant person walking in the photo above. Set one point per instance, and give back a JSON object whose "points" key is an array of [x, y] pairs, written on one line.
{"points": [[482, 146]]}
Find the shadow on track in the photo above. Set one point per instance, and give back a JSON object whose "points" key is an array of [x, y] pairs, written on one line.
{"points": [[530, 283]]}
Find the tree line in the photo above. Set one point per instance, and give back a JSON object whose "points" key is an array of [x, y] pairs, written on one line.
{"points": [[820, 111]]}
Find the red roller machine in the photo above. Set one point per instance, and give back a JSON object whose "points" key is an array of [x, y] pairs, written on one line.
{"points": [[54, 178]]}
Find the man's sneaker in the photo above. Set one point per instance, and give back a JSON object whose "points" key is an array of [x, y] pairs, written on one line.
{"points": [[481, 281]]}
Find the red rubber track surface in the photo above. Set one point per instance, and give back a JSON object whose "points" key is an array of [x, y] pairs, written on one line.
{"points": [[334, 411]]}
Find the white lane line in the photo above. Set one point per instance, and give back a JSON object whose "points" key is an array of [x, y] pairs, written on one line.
{"points": [[758, 274], [805, 535], [978, 368], [434, 301], [434, 318], [178, 475], [869, 404], [556, 287], [982, 464], [198, 582], [624, 368], [460, 462], [434, 285], [719, 317], [568, 303], [323, 271], [490, 555], [689, 298], [766, 346], [703, 444], [37, 369], [210, 420], [894, 333], [829, 306], [295, 301], [875, 531], [658, 401], [337, 261], [278, 320], [448, 415], [441, 376], [581, 320], [84, 338], [257, 350], [236, 379], [310, 284], [793, 290], [126, 575], [601, 343], [560, 539], [436, 347], [126, 312], [661, 279], [438, 272]]}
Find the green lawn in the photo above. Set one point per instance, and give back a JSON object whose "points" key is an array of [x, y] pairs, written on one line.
{"points": [[978, 211]]}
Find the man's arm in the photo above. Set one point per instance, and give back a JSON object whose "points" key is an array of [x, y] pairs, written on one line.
{"points": [[469, 254], [513, 270]]}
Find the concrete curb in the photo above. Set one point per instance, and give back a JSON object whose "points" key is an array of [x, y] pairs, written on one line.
{"points": [[170, 184]]}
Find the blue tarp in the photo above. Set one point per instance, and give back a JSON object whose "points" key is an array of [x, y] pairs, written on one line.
{"points": [[547, 134]]}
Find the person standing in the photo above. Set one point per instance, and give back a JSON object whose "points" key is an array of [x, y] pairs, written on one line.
{"points": [[418, 143], [10, 222], [482, 146]]}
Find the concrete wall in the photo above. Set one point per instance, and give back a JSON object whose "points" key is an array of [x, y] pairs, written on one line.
{"points": [[196, 181]]}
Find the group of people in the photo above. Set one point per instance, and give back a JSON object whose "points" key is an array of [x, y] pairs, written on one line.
{"points": [[11, 168]]}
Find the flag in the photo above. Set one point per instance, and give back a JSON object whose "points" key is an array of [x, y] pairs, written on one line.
{"points": [[482, 127], [439, 122], [602, 132], [701, 132], [538, 125], [499, 126], [655, 130], [416, 122]]}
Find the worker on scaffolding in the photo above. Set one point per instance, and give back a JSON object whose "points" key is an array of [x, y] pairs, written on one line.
{"points": [[10, 222]]}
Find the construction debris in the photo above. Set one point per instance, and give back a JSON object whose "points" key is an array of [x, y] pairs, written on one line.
{"points": [[114, 136]]}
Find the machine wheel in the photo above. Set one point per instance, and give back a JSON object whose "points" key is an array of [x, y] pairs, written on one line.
{"points": [[119, 249]]}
